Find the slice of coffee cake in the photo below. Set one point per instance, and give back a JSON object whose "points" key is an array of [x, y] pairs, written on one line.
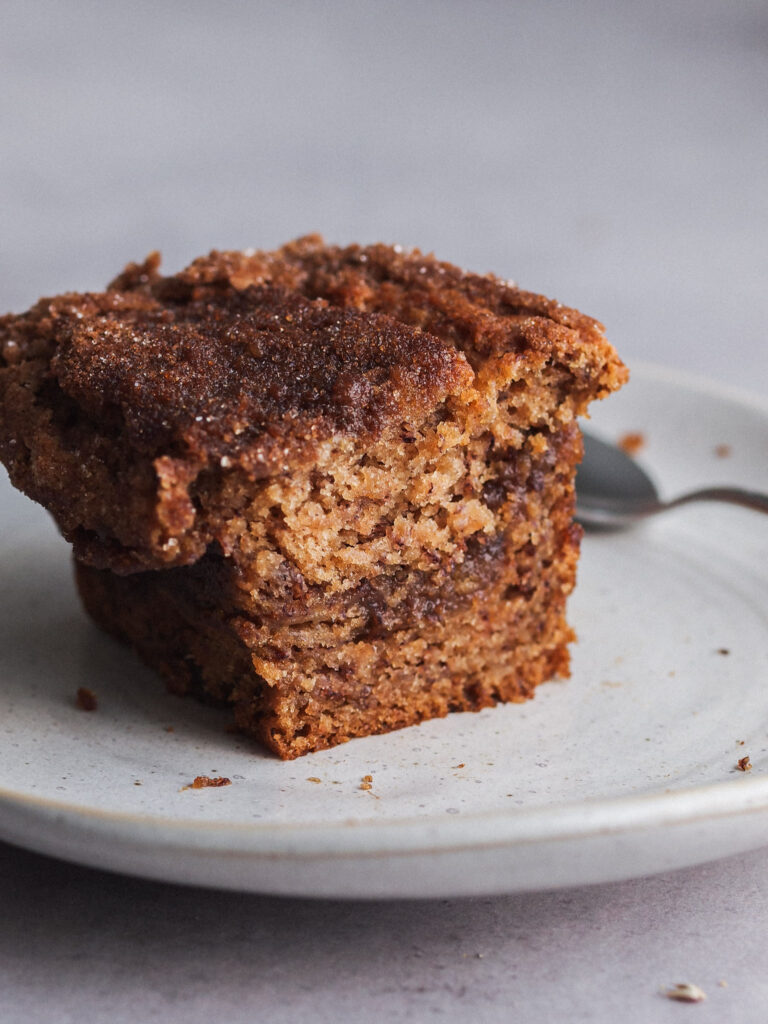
{"points": [[333, 487]]}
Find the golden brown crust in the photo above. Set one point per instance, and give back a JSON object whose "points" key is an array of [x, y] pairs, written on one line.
{"points": [[255, 377], [480, 315]]}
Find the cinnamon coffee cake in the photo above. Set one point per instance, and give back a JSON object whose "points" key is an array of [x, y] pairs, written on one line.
{"points": [[332, 487]]}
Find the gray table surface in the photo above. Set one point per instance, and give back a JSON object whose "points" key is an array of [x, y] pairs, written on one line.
{"points": [[613, 155]]}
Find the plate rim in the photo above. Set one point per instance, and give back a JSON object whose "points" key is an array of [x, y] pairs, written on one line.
{"points": [[507, 828]]}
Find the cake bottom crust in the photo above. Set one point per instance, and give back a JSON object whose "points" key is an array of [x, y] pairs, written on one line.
{"points": [[496, 646]]}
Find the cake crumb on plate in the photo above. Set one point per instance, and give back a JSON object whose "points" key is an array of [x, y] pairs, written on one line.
{"points": [[632, 442], [85, 699], [208, 782]]}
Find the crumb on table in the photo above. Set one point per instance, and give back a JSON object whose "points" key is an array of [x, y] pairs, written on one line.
{"points": [[85, 699], [744, 764], [684, 992], [722, 451]]}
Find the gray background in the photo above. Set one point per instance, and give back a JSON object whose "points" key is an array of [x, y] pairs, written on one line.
{"points": [[612, 155]]}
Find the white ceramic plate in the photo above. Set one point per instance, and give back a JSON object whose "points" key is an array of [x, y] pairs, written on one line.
{"points": [[626, 769]]}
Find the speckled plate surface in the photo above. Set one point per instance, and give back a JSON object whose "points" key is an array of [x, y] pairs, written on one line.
{"points": [[628, 768]]}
